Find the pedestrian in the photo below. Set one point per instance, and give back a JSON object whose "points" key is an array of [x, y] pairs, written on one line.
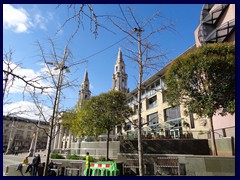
{"points": [[37, 161], [88, 160], [24, 162], [50, 166], [30, 166], [40, 169]]}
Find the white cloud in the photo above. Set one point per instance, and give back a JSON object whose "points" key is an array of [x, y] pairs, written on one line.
{"points": [[19, 20], [15, 19], [26, 109], [29, 74], [40, 21]]}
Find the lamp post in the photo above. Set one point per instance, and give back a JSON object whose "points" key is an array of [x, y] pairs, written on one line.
{"points": [[61, 67], [31, 149], [10, 140], [36, 137]]}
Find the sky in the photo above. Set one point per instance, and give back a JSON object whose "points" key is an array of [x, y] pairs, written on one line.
{"points": [[26, 24]]}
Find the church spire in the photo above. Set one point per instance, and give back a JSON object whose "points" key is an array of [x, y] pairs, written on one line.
{"points": [[86, 76], [119, 78], [119, 58], [84, 93]]}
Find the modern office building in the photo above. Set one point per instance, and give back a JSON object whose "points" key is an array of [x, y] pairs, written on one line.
{"points": [[158, 116], [217, 24]]}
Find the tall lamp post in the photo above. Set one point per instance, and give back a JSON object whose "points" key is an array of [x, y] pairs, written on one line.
{"points": [[61, 67], [33, 145], [10, 140], [36, 138]]}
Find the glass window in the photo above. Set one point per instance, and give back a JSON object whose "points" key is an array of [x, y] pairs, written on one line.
{"points": [[152, 102], [192, 121], [152, 119], [172, 113]]}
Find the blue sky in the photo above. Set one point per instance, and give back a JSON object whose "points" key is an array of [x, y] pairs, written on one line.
{"points": [[24, 25]]}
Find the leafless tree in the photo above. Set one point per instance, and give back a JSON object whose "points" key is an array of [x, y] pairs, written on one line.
{"points": [[77, 12], [56, 68], [143, 52], [10, 75]]}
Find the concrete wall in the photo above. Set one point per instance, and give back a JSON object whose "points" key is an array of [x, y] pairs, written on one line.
{"points": [[98, 149], [210, 166], [65, 163], [168, 146], [190, 165], [225, 146]]}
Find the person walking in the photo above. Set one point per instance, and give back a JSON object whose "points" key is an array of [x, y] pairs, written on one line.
{"points": [[88, 160], [24, 162]]}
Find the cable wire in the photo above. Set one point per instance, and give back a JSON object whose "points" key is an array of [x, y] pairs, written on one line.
{"points": [[104, 49]]}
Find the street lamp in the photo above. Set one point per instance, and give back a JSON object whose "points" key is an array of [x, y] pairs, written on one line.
{"points": [[36, 138], [61, 66], [31, 149], [10, 141]]}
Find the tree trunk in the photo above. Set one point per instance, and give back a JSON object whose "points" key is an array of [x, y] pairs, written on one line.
{"points": [[55, 108], [140, 151], [108, 134], [214, 146]]}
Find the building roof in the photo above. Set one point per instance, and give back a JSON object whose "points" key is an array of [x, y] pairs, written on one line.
{"points": [[17, 118], [161, 72]]}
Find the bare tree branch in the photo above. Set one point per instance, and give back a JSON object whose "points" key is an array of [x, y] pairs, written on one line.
{"points": [[10, 75], [144, 56]]}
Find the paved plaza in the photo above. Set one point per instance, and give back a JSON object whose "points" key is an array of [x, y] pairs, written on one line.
{"points": [[16, 159]]}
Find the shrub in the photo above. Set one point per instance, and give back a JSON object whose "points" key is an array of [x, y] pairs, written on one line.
{"points": [[76, 157], [102, 158], [57, 156]]}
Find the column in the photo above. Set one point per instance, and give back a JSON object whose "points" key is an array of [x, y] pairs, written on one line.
{"points": [[69, 140], [60, 137], [56, 137]]}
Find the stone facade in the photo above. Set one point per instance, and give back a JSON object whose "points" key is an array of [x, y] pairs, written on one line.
{"points": [[119, 78], [18, 134]]}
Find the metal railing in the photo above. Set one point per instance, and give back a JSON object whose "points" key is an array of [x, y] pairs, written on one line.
{"points": [[132, 165], [167, 166]]}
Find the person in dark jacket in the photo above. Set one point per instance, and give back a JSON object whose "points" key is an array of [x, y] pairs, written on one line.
{"points": [[50, 166], [30, 166], [36, 162]]}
